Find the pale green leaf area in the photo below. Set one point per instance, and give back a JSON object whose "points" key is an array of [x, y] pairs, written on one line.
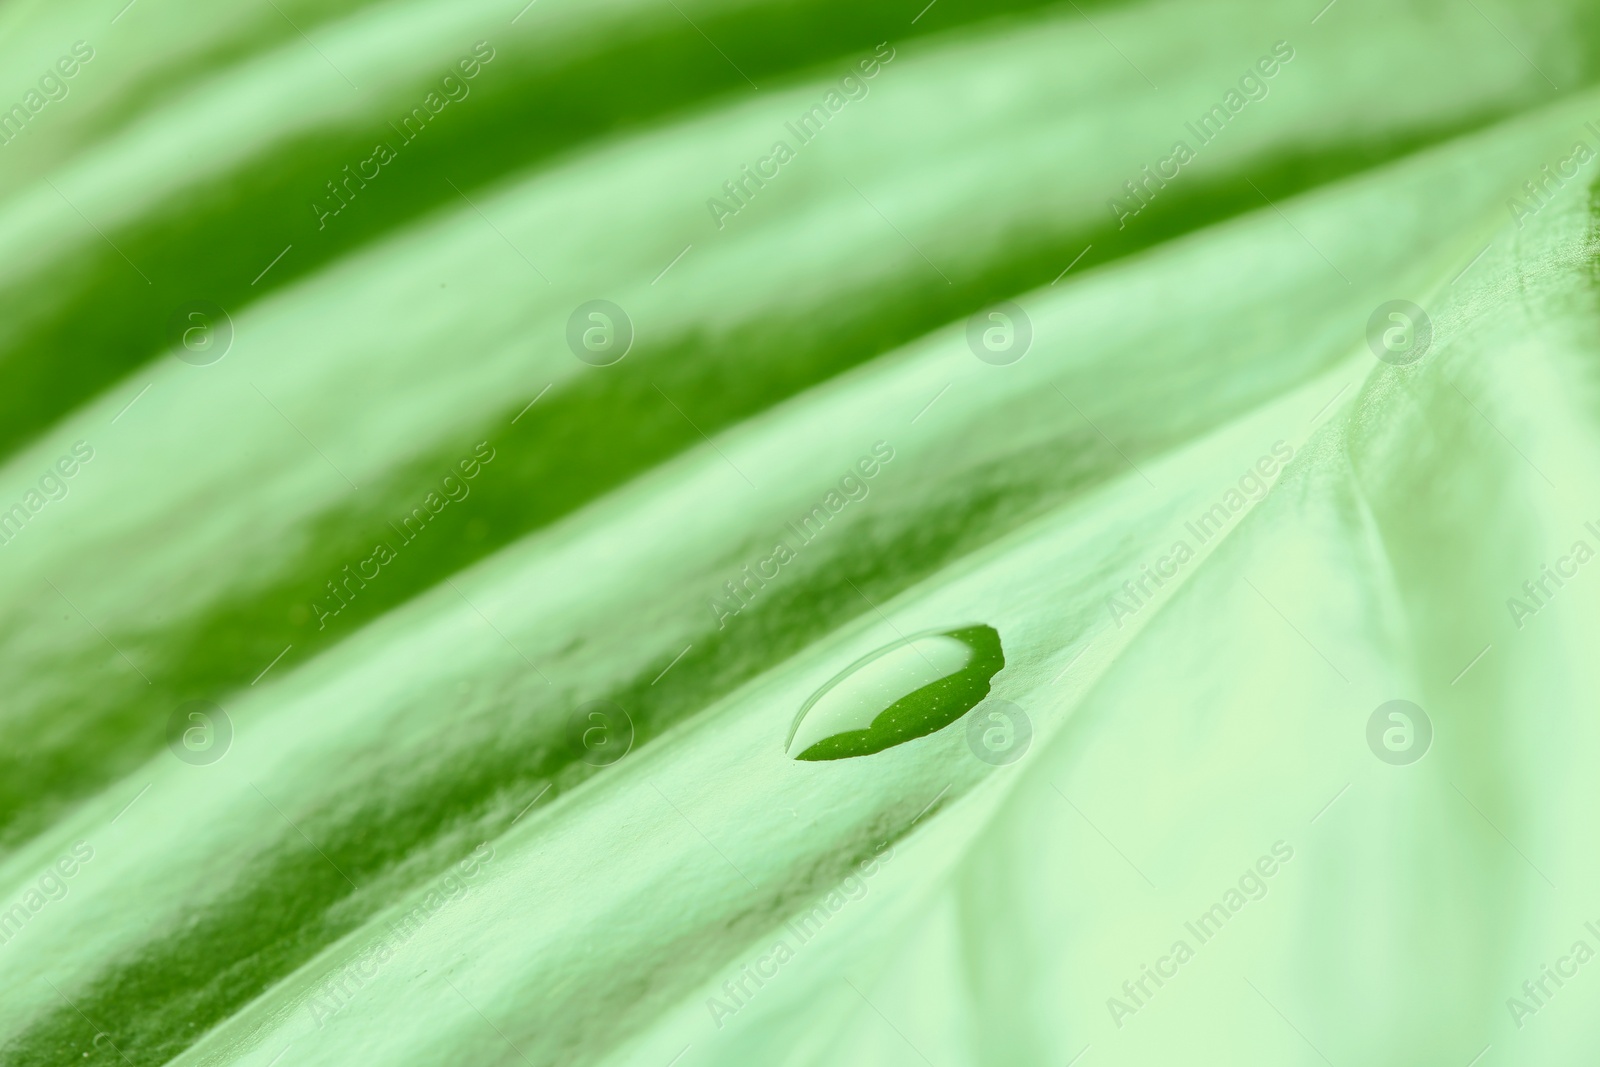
{"points": [[589, 772]]}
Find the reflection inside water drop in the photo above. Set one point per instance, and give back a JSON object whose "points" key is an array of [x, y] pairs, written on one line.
{"points": [[904, 690]]}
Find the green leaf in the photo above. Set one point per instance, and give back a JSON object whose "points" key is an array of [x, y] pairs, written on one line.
{"points": [[412, 847]]}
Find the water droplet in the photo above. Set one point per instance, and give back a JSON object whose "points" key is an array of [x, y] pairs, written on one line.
{"points": [[904, 690]]}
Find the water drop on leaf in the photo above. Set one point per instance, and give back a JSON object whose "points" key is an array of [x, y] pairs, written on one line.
{"points": [[904, 690]]}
